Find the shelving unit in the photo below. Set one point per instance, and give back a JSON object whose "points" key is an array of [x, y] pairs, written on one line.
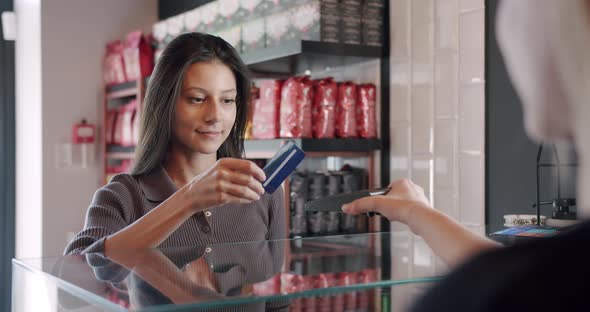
{"points": [[265, 149], [296, 57], [293, 59], [115, 96], [120, 152], [317, 147]]}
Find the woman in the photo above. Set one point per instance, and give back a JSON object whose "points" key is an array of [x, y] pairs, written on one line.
{"points": [[189, 185], [546, 44]]}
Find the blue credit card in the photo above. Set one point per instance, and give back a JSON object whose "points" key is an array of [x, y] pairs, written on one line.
{"points": [[281, 166]]}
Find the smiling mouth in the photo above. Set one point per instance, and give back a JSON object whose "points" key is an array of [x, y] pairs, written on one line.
{"points": [[211, 134], [208, 132]]}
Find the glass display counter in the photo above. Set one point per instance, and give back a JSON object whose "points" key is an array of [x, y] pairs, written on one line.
{"points": [[331, 273]]}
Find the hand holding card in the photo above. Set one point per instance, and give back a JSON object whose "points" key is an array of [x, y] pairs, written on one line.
{"points": [[281, 166]]}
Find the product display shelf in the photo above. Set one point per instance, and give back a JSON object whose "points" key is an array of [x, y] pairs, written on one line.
{"points": [[297, 56], [266, 148], [332, 249], [295, 59], [120, 152], [115, 96]]}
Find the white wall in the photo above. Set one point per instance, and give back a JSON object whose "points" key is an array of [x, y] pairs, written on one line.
{"points": [[29, 123], [73, 40], [67, 88], [438, 103], [437, 111]]}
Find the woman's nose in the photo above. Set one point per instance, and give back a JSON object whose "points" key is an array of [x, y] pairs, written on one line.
{"points": [[213, 111]]}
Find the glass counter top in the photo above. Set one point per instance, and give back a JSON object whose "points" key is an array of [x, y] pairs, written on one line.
{"points": [[360, 272]]}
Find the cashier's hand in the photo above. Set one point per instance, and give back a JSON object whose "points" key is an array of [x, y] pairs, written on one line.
{"points": [[397, 205], [230, 180]]}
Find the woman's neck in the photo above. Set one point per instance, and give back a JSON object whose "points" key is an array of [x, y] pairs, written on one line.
{"points": [[183, 167]]}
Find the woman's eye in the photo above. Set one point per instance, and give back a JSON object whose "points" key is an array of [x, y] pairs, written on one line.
{"points": [[229, 101], [196, 100]]}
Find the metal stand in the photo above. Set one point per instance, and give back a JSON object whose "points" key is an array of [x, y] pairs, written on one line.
{"points": [[561, 205]]}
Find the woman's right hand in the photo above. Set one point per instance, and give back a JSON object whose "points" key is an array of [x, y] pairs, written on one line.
{"points": [[397, 205], [230, 180]]}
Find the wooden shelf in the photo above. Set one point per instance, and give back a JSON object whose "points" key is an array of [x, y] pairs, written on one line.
{"points": [[296, 57], [265, 149]]}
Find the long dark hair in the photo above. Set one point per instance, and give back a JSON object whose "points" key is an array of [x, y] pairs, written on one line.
{"points": [[163, 90]]}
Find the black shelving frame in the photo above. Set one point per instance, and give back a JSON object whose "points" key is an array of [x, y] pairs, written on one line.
{"points": [[385, 128], [7, 164]]}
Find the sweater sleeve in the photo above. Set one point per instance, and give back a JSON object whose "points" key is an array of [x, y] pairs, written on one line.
{"points": [[277, 228], [109, 212]]}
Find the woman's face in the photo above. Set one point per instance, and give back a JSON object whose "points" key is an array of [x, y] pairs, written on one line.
{"points": [[206, 108]]}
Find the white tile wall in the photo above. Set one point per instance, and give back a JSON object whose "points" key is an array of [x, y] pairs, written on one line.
{"points": [[445, 154], [471, 190], [446, 29], [400, 12], [400, 146], [422, 173], [437, 102], [471, 45], [437, 118], [471, 119], [421, 118], [446, 84]]}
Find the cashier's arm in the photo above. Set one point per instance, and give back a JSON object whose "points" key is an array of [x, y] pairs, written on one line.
{"points": [[407, 204]]}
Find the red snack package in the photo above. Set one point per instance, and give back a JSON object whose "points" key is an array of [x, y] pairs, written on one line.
{"points": [[309, 303], [347, 279], [305, 117], [138, 55], [254, 96], [110, 125], [324, 106], [295, 110], [113, 64], [323, 303], [365, 277], [292, 283], [365, 114], [136, 125], [269, 287], [290, 96], [329, 303], [265, 110], [346, 110], [124, 126]]}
